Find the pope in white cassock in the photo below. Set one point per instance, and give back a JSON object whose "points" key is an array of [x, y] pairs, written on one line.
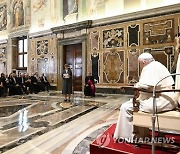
{"points": [[152, 73]]}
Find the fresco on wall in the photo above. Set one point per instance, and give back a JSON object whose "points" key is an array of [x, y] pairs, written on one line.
{"points": [[113, 63], [158, 32], [95, 8], [113, 38], [39, 4], [70, 7], [18, 12], [3, 17]]}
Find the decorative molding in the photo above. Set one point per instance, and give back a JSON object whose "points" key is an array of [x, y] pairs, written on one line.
{"points": [[3, 41], [19, 33], [41, 33], [75, 26]]}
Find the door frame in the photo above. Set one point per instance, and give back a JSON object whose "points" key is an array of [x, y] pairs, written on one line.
{"points": [[60, 58]]}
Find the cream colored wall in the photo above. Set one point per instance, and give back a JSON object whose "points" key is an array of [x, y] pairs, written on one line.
{"points": [[47, 14], [117, 7], [114, 7], [44, 15]]}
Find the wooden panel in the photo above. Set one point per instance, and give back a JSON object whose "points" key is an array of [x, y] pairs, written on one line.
{"points": [[73, 57]]}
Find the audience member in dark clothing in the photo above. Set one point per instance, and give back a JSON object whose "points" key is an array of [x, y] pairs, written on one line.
{"points": [[1, 88], [36, 83], [28, 84], [14, 87], [3, 85], [89, 88], [21, 82], [45, 82]]}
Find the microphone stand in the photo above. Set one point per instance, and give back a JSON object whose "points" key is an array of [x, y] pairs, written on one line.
{"points": [[154, 111]]}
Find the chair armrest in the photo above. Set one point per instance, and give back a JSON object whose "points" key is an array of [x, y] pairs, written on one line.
{"points": [[136, 94]]}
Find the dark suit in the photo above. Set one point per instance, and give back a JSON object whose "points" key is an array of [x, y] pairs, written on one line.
{"points": [[67, 82], [45, 82], [14, 87]]}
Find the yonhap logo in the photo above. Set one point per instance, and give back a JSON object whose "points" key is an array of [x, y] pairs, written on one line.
{"points": [[103, 140]]}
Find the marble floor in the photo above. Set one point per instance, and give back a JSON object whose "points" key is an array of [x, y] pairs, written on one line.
{"points": [[43, 123]]}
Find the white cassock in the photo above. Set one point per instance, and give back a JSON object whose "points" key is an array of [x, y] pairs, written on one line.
{"points": [[177, 84], [151, 74]]}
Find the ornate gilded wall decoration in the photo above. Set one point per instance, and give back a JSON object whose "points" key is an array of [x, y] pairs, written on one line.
{"points": [[39, 4], [94, 40], [133, 35], [42, 48], [3, 60], [33, 64], [3, 17], [165, 55], [158, 32], [95, 65], [42, 57], [52, 68], [113, 63], [42, 65], [18, 11], [133, 66], [113, 38]]}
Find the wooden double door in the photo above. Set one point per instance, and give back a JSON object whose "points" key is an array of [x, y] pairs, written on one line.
{"points": [[73, 57]]}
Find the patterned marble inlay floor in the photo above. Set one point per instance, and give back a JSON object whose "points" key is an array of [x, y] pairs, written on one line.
{"points": [[25, 119]]}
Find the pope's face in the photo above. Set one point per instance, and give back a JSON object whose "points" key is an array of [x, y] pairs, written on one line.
{"points": [[142, 63]]}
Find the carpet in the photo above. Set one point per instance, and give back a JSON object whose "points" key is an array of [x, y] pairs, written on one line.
{"points": [[105, 144]]}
